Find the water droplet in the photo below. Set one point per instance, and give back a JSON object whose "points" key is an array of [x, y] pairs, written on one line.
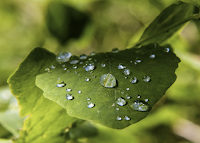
{"points": [[103, 65], [126, 77], [119, 118], [127, 89], [108, 80], [117, 109], [127, 72], [65, 69], [127, 118], [146, 79], [152, 56], [69, 97], [75, 67], [88, 98], [138, 96], [133, 80], [93, 53], [89, 66], [166, 50], [74, 60], [90, 105], [63, 57], [120, 66], [79, 91], [138, 61], [139, 105], [68, 89], [81, 62], [146, 100], [87, 79], [113, 104], [83, 57], [128, 97], [60, 83], [121, 102], [47, 69], [115, 50], [53, 67]]}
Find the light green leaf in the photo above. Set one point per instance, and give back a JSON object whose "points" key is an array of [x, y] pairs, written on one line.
{"points": [[104, 87], [47, 119], [166, 23], [194, 2]]}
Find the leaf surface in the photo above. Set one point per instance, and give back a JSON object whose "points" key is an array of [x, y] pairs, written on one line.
{"points": [[93, 95], [194, 2], [166, 23], [47, 119]]}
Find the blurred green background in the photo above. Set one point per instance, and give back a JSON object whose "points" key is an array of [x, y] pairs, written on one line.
{"points": [[84, 26]]}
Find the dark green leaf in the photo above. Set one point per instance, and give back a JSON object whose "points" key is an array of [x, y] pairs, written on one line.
{"points": [[166, 23], [94, 94], [48, 120], [194, 2]]}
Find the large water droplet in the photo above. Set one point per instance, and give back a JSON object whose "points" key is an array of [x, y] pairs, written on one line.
{"points": [[166, 50], [83, 57], [121, 102], [120, 66], [146, 79], [63, 57], [90, 105], [152, 56], [139, 105], [89, 66], [69, 97], [115, 50], [119, 118], [108, 80], [127, 72], [127, 118], [133, 80]]}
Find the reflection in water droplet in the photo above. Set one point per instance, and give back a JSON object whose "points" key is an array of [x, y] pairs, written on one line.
{"points": [[68, 89], [108, 80], [128, 97], [127, 72], [166, 50], [120, 66], [75, 67], [133, 80], [103, 65], [88, 98], [65, 69], [127, 118], [121, 102], [63, 57], [53, 67], [152, 56], [146, 79], [79, 91], [60, 83], [138, 96], [92, 54], [89, 67], [87, 79], [69, 97], [74, 61], [119, 118], [83, 57], [90, 105], [127, 89], [115, 50], [139, 105], [146, 100]]}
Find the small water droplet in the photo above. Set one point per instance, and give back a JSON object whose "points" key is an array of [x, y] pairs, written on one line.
{"points": [[138, 96], [126, 77], [90, 105], [120, 66], [89, 66], [63, 57], [127, 72], [74, 60], [127, 118], [88, 98], [93, 53], [128, 97], [120, 101], [83, 57], [146, 100], [103, 65], [127, 89], [65, 69], [75, 67], [115, 50], [53, 67], [146, 79], [94, 76], [117, 109], [108, 80], [152, 56], [133, 80], [47, 69], [166, 50], [138, 61], [119, 118], [81, 62], [69, 97], [131, 61], [139, 105], [87, 79], [122, 92], [60, 83], [68, 89], [113, 104], [79, 91]]}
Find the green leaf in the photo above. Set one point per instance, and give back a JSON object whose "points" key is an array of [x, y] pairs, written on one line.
{"points": [[93, 94], [194, 2], [166, 23], [47, 119]]}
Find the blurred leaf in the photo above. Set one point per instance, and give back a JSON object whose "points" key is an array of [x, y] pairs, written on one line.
{"points": [[194, 2], [48, 120], [64, 22], [5, 141], [4, 133], [166, 23], [149, 68]]}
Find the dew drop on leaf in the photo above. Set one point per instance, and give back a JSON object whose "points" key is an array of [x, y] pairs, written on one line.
{"points": [[120, 66], [83, 57], [69, 97], [115, 50], [152, 56], [166, 50], [127, 118], [127, 89], [108, 80], [75, 67], [117, 109], [87, 79], [60, 83], [68, 89], [79, 91], [89, 66], [139, 105], [47, 69], [88, 98], [127, 72], [53, 67], [121, 102], [103, 65], [133, 80], [92, 54], [138, 96], [146, 100], [63, 57], [146, 79], [90, 105], [119, 118]]}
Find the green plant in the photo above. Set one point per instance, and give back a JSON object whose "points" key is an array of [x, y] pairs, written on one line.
{"points": [[114, 89]]}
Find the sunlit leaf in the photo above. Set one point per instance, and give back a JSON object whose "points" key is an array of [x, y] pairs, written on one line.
{"points": [[115, 89]]}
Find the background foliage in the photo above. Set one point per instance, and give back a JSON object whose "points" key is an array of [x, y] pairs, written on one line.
{"points": [[111, 24]]}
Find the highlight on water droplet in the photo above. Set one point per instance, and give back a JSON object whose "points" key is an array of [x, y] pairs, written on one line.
{"points": [[79, 91], [75, 67], [63, 57], [53, 67], [120, 66], [89, 66], [139, 105], [115, 50], [146, 100], [90, 105], [119, 118], [146, 79], [88, 98], [166, 50], [69, 97], [68, 89], [87, 79], [127, 71], [103, 65], [83, 57], [127, 89], [93, 53], [60, 83], [138, 96], [133, 80], [108, 80], [121, 102], [127, 118], [74, 60], [152, 56]]}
